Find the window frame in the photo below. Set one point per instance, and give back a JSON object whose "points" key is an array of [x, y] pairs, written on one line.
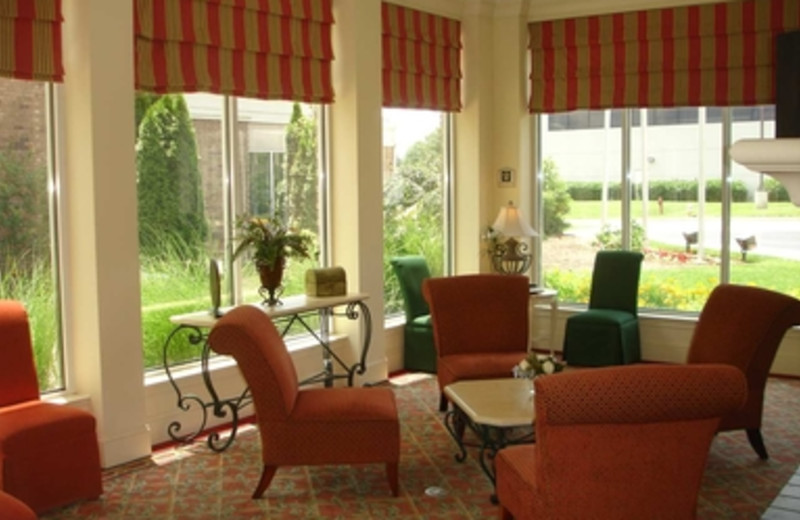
{"points": [[628, 122]]}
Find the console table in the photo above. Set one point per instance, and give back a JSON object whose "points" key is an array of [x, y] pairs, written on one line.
{"points": [[293, 310]]}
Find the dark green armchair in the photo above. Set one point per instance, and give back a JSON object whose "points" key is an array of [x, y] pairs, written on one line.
{"points": [[419, 351], [608, 332]]}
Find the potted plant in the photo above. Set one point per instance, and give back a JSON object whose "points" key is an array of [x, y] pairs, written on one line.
{"points": [[270, 243]]}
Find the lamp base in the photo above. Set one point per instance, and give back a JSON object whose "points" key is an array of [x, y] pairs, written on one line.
{"points": [[511, 257]]}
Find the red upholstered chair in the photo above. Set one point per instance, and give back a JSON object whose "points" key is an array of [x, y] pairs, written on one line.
{"points": [[743, 326], [310, 426], [480, 325], [14, 509], [618, 443], [48, 453]]}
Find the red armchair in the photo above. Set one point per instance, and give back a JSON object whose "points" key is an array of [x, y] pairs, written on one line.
{"points": [[311, 426], [743, 326], [48, 453], [618, 443], [480, 325]]}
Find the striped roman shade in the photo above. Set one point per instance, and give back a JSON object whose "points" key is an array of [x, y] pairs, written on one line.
{"points": [[30, 39], [709, 55], [268, 49], [421, 59]]}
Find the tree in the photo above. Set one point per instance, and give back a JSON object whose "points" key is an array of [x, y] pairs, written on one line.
{"points": [[24, 234], [142, 103], [301, 171], [412, 212], [556, 200], [171, 214]]}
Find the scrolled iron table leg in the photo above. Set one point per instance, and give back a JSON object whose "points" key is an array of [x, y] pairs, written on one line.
{"points": [[455, 422], [185, 401]]}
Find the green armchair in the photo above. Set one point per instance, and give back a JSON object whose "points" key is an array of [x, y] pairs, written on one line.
{"points": [[608, 332], [419, 351]]}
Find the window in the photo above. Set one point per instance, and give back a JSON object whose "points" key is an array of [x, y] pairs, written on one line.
{"points": [[28, 259], [195, 178], [415, 174], [675, 193], [576, 120]]}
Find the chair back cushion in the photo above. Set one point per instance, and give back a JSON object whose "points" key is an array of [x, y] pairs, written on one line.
{"points": [[615, 281], [410, 272], [248, 334], [478, 313], [18, 381], [743, 326], [630, 441]]}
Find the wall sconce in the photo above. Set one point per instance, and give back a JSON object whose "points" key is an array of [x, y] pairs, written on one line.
{"points": [[511, 256]]}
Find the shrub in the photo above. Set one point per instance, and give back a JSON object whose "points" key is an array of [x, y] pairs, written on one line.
{"points": [[776, 191], [556, 200], [169, 187], [609, 238]]}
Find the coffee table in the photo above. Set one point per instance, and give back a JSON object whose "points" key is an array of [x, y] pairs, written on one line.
{"points": [[499, 411]]}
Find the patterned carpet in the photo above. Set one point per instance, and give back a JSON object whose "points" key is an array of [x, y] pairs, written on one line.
{"points": [[191, 482]]}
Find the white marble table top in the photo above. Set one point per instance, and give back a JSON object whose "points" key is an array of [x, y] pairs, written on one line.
{"points": [[503, 403]]}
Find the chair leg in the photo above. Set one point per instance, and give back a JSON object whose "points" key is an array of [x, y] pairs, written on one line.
{"points": [[757, 442], [266, 477], [505, 514], [442, 403], [391, 473]]}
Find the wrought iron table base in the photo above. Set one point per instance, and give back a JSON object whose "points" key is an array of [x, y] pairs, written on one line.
{"points": [[492, 440], [221, 407]]}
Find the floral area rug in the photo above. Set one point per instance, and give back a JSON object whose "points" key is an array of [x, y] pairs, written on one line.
{"points": [[192, 482]]}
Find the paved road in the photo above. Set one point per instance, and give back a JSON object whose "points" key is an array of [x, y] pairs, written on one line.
{"points": [[774, 236]]}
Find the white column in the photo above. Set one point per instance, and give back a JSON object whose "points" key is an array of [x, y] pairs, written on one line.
{"points": [[474, 178], [101, 276], [356, 167]]}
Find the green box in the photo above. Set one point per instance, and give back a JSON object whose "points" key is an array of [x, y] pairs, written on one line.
{"points": [[329, 281]]}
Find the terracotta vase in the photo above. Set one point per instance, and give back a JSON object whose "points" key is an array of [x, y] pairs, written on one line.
{"points": [[271, 279]]}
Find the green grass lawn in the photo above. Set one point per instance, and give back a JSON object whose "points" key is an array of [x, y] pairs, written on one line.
{"points": [[676, 209]]}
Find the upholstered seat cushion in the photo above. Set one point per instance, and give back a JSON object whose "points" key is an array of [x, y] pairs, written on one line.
{"points": [[361, 423], [458, 367], [423, 321], [43, 443], [603, 317], [32, 424], [516, 463]]}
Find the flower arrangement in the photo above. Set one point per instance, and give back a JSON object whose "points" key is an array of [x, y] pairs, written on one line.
{"points": [[538, 364]]}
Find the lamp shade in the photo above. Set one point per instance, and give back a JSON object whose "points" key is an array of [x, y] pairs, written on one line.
{"points": [[510, 223]]}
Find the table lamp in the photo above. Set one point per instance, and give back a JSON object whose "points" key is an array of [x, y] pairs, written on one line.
{"points": [[511, 256]]}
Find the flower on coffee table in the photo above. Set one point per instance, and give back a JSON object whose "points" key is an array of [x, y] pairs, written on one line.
{"points": [[538, 364]]}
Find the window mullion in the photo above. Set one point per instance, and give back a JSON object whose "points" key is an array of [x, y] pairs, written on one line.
{"points": [[232, 192], [625, 181], [727, 198]]}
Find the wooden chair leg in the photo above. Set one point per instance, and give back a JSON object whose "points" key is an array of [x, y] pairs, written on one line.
{"points": [[442, 403], [392, 474], [757, 442], [266, 477]]}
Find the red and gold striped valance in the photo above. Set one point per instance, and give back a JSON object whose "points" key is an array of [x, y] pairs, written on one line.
{"points": [[30, 39], [421, 59], [713, 54], [268, 49]]}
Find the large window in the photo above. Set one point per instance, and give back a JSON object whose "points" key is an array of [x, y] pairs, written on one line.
{"points": [[659, 182], [203, 161], [415, 173], [28, 263]]}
